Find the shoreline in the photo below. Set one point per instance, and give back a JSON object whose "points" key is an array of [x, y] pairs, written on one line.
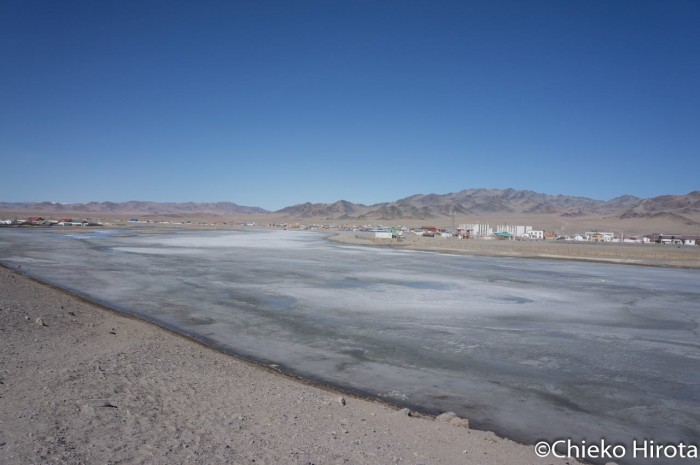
{"points": [[690, 258], [264, 364], [62, 311]]}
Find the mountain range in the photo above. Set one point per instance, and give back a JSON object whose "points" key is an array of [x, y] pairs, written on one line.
{"points": [[485, 202], [469, 202], [133, 207]]}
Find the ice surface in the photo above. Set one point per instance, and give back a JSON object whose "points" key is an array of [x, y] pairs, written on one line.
{"points": [[532, 349]]}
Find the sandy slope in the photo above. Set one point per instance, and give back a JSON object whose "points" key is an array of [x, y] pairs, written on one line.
{"points": [[95, 387]]}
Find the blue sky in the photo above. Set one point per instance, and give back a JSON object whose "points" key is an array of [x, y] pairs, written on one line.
{"points": [[275, 103]]}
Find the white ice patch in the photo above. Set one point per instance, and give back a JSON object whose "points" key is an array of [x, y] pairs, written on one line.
{"points": [[157, 250], [266, 240]]}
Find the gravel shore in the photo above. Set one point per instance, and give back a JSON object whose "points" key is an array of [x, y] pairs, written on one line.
{"points": [[80, 384]]}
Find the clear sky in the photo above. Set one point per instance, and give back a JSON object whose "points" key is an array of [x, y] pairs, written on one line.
{"points": [[274, 103]]}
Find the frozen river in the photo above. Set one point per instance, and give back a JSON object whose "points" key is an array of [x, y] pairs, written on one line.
{"points": [[531, 349]]}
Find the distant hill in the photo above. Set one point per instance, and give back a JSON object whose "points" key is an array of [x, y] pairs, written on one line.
{"points": [[341, 208], [476, 202], [134, 207]]}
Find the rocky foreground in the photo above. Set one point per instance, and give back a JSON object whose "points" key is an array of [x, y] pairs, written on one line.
{"points": [[83, 385]]}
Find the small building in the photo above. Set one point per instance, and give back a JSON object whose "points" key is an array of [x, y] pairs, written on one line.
{"points": [[534, 234], [675, 239], [597, 236], [503, 235]]}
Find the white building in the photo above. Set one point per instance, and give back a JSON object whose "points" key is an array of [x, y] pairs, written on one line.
{"points": [[515, 230], [478, 230], [535, 234]]}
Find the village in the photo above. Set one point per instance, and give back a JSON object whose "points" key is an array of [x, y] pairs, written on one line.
{"points": [[527, 233], [476, 231]]}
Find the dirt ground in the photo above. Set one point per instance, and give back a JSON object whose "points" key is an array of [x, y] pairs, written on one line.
{"points": [[80, 384]]}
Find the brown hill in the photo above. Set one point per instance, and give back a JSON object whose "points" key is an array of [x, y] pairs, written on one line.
{"points": [[133, 207], [679, 204]]}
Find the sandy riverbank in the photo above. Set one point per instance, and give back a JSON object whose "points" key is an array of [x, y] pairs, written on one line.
{"points": [[632, 254], [92, 386]]}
